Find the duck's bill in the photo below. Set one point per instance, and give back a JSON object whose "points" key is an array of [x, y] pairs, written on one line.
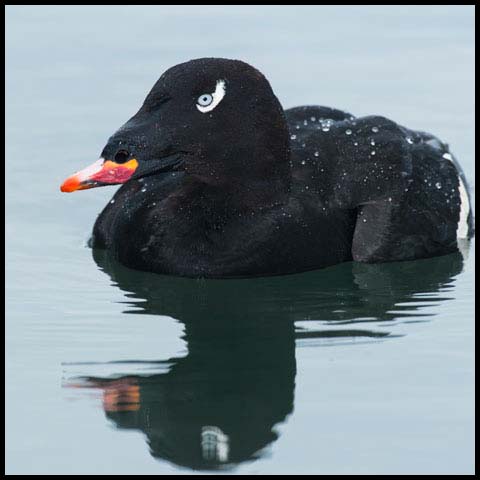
{"points": [[102, 172]]}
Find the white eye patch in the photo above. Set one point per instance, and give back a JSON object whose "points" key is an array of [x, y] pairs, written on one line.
{"points": [[206, 102]]}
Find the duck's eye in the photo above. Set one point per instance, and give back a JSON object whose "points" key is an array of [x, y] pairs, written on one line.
{"points": [[121, 156], [206, 102], [205, 99]]}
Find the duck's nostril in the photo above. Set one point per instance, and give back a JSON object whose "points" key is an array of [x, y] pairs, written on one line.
{"points": [[121, 156]]}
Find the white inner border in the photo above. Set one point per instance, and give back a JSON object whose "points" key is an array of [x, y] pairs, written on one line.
{"points": [[462, 227]]}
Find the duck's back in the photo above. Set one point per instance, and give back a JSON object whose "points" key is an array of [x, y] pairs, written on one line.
{"points": [[409, 194]]}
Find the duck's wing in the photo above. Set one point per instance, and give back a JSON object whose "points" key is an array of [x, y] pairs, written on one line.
{"points": [[409, 193], [351, 161]]}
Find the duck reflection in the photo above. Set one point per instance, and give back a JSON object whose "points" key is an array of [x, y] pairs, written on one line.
{"points": [[219, 405]]}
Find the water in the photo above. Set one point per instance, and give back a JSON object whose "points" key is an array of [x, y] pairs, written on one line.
{"points": [[352, 369]]}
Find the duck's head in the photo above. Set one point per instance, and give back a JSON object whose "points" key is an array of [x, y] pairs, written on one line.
{"points": [[214, 118]]}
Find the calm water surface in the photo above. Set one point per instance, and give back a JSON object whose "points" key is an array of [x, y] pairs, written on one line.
{"points": [[351, 369]]}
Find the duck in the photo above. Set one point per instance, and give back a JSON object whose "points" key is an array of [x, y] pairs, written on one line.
{"points": [[219, 181]]}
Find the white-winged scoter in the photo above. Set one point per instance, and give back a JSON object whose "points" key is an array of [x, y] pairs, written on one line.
{"points": [[219, 181]]}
